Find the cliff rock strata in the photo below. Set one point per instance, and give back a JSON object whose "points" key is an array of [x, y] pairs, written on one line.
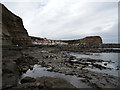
{"points": [[94, 40], [13, 31], [89, 40]]}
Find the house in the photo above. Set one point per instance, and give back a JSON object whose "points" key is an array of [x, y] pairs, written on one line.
{"points": [[45, 41]]}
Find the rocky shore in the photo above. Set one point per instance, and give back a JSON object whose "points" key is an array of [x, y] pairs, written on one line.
{"points": [[56, 61], [18, 57], [61, 62], [44, 82], [82, 48], [15, 63]]}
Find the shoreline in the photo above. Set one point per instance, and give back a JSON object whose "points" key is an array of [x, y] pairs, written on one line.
{"points": [[56, 58]]}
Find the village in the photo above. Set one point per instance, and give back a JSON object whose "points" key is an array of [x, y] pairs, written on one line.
{"points": [[83, 42], [46, 41]]}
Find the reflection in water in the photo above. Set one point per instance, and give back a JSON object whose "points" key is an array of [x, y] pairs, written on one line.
{"points": [[114, 57], [39, 71]]}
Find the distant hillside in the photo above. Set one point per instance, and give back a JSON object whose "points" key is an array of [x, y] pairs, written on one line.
{"points": [[86, 40], [33, 38]]}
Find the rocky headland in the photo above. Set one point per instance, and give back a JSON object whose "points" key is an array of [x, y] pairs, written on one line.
{"points": [[19, 56], [89, 40]]}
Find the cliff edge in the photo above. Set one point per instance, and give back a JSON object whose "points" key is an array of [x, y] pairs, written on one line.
{"points": [[13, 31], [89, 40]]}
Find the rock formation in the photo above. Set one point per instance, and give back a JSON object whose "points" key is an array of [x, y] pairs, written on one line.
{"points": [[90, 40], [13, 31], [36, 38], [94, 40]]}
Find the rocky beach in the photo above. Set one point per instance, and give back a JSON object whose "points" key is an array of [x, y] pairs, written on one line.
{"points": [[54, 60], [26, 65]]}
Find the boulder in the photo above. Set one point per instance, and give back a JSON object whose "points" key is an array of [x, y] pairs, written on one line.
{"points": [[28, 80]]}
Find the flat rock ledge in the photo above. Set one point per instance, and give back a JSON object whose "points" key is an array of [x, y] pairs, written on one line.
{"points": [[44, 82]]}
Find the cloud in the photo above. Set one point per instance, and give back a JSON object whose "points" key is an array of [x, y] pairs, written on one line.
{"points": [[68, 19]]}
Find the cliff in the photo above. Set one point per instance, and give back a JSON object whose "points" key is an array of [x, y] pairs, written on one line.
{"points": [[36, 38], [90, 40], [13, 31]]}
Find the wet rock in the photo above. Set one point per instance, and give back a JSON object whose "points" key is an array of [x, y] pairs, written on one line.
{"points": [[70, 73], [44, 64], [46, 57], [10, 67], [6, 70], [94, 60], [88, 77], [28, 80], [99, 66], [94, 74], [104, 75], [31, 67], [40, 62], [24, 69], [48, 84], [105, 64], [87, 53], [7, 87], [49, 62], [25, 62], [84, 80], [50, 69], [55, 70], [51, 56], [64, 56], [28, 86], [40, 86], [118, 68], [62, 65], [72, 58], [9, 81]]}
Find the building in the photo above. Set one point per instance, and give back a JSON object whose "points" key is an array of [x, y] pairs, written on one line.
{"points": [[45, 41]]}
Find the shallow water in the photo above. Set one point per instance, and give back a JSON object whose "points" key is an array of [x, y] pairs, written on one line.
{"points": [[110, 48], [39, 71], [114, 57]]}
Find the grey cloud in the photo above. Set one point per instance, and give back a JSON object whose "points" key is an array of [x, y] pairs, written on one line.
{"points": [[68, 19]]}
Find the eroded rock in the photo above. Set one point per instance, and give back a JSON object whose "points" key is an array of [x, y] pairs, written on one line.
{"points": [[28, 80]]}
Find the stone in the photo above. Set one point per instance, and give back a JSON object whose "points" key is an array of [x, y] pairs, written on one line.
{"points": [[24, 69], [28, 80], [72, 58], [50, 69], [31, 67], [50, 82], [40, 86], [105, 64]]}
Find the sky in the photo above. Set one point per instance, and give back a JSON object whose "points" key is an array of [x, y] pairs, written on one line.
{"points": [[68, 19]]}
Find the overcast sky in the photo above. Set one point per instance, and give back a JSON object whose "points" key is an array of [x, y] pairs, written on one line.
{"points": [[68, 19]]}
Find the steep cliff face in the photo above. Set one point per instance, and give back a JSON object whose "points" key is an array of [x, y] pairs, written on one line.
{"points": [[13, 31], [90, 40], [35, 38]]}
